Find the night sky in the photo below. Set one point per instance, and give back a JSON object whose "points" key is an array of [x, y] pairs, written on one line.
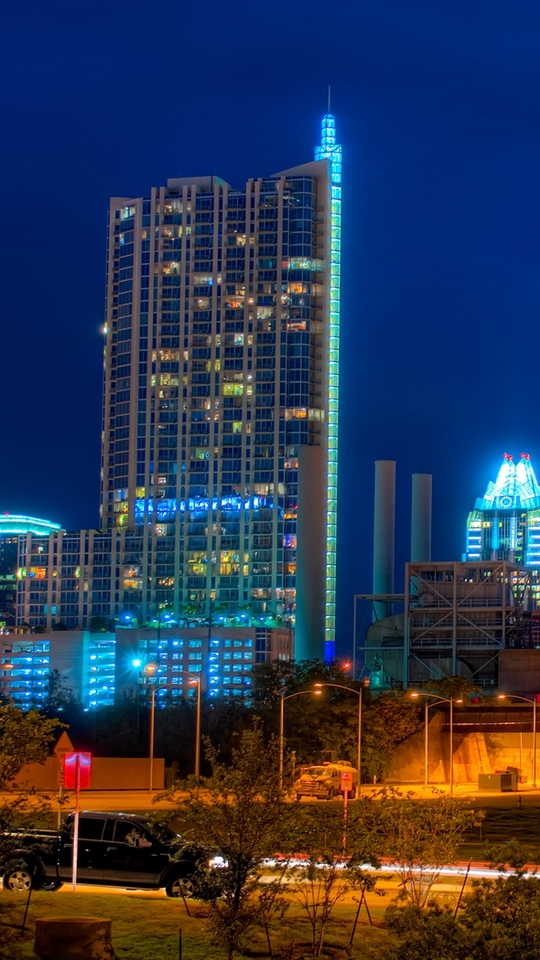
{"points": [[437, 107]]}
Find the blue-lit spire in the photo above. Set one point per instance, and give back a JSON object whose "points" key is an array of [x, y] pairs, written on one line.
{"points": [[331, 151], [328, 149]]}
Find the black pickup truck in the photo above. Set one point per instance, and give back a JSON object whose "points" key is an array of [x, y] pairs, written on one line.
{"points": [[115, 849]]}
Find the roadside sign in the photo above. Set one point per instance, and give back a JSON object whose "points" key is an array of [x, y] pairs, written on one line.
{"points": [[77, 770], [63, 746], [345, 781]]}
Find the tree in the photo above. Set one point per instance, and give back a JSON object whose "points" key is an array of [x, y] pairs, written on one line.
{"points": [[330, 872], [387, 720], [424, 934], [240, 813], [271, 680], [421, 837], [25, 737], [59, 697], [500, 920], [23, 813], [453, 688]]}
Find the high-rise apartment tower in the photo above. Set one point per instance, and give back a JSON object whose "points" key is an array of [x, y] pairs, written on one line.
{"points": [[221, 394]]}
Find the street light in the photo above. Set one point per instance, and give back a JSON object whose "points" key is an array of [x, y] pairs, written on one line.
{"points": [[515, 696], [193, 678], [358, 693], [282, 699], [451, 701]]}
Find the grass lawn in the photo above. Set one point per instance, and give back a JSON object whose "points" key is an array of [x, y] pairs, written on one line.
{"points": [[148, 929], [502, 823]]}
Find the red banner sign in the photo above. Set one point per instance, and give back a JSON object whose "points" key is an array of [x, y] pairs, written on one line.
{"points": [[77, 770]]}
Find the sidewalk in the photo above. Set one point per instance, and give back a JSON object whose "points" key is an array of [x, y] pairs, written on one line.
{"points": [[526, 790]]}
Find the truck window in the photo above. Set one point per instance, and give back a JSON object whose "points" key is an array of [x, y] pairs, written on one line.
{"points": [[132, 834], [90, 828]]}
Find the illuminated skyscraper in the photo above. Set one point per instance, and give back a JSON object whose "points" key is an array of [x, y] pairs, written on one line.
{"points": [[505, 523], [221, 394]]}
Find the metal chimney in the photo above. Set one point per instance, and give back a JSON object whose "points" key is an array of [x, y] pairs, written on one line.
{"points": [[384, 532], [421, 518]]}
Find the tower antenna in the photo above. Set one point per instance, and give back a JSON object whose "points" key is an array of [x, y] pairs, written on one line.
{"points": [[329, 97]]}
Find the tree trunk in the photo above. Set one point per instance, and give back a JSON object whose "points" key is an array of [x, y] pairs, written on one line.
{"points": [[67, 938]]}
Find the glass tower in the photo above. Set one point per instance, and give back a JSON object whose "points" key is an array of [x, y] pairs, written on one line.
{"points": [[221, 391], [505, 523]]}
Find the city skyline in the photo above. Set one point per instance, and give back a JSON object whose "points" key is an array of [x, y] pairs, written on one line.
{"points": [[437, 115]]}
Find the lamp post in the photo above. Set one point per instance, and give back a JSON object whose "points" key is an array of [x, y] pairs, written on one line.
{"points": [[282, 699], [515, 696], [358, 693], [193, 678], [451, 701]]}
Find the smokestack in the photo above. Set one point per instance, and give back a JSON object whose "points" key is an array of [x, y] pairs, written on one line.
{"points": [[421, 518], [384, 532]]}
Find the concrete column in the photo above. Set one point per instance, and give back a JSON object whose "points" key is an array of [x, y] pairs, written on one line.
{"points": [[421, 518], [384, 532]]}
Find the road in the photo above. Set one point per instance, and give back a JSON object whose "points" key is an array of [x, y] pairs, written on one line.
{"points": [[446, 891], [131, 800]]}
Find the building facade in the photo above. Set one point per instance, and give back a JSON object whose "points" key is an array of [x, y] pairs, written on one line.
{"points": [[505, 522], [222, 658], [102, 667], [457, 619], [221, 392]]}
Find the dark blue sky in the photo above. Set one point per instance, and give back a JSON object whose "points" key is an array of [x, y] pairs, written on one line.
{"points": [[437, 106]]}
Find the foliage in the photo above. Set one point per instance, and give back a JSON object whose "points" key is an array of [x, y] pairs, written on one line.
{"points": [[23, 813], [25, 737], [426, 934], [453, 688], [421, 837], [329, 871], [500, 920], [271, 680], [224, 721], [512, 854], [59, 697], [240, 813], [98, 624], [388, 720]]}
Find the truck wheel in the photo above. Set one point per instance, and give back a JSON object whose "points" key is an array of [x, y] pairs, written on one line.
{"points": [[180, 886], [352, 794], [50, 886], [299, 796], [331, 794], [18, 881]]}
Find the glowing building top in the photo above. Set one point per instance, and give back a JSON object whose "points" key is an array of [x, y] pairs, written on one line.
{"points": [[505, 522], [12, 525], [516, 487]]}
